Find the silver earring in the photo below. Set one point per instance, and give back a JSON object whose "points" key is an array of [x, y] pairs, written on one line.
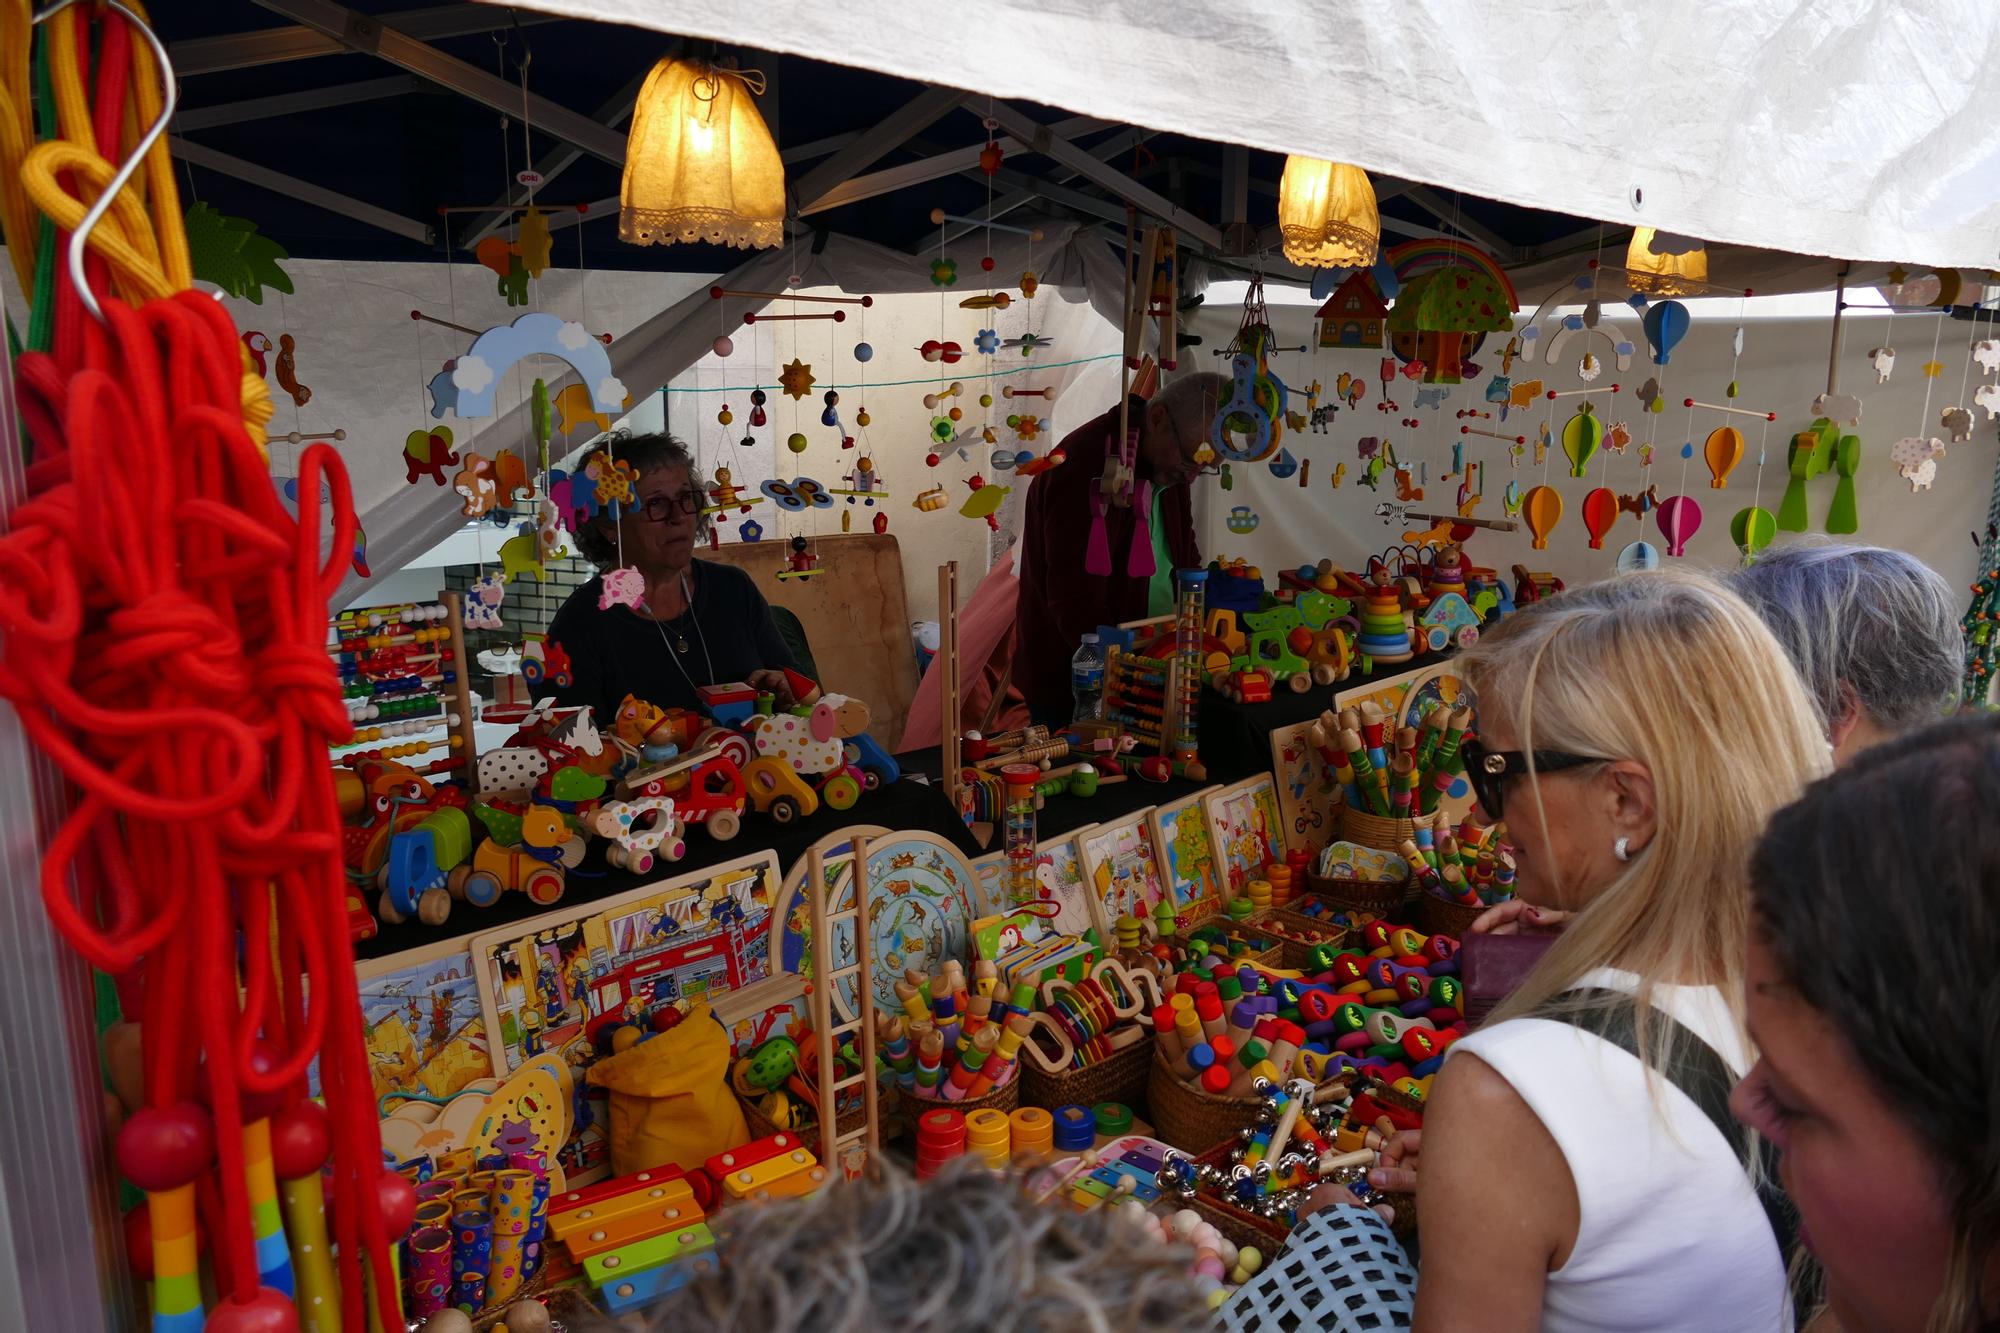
{"points": [[1622, 849]]}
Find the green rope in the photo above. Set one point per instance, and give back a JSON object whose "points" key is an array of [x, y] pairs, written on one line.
{"points": [[42, 314]]}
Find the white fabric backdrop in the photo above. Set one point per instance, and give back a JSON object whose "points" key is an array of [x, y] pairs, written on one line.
{"points": [[1783, 366], [678, 333], [1832, 127]]}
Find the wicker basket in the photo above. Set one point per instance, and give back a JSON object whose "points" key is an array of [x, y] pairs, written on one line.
{"points": [[1404, 1224], [1442, 916], [571, 1305], [1121, 1078], [1235, 929], [762, 1126], [1301, 934], [1242, 1228], [1187, 1117], [1003, 1098], [1375, 897], [1383, 834]]}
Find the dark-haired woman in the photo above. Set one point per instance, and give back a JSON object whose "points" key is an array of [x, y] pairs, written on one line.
{"points": [[1871, 989], [700, 623]]}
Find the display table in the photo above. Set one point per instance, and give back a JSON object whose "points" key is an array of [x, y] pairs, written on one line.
{"points": [[906, 804]]}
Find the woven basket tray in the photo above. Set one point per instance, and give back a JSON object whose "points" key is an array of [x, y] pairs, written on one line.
{"points": [[1441, 916], [762, 1126], [1268, 957], [1122, 1078], [1004, 1098], [1243, 1228], [1301, 935], [567, 1303], [1375, 897], [1189, 1118]]}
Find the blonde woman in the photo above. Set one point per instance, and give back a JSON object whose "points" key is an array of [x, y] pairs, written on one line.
{"points": [[1635, 734]]}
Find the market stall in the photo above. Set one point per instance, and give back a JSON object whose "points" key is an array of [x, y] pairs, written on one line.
{"points": [[427, 991]]}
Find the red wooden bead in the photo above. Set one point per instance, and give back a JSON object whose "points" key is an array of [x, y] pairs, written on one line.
{"points": [[397, 1198], [165, 1149], [266, 1312], [300, 1140]]}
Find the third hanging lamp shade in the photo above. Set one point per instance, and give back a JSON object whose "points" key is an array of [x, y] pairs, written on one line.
{"points": [[700, 164], [1327, 214]]}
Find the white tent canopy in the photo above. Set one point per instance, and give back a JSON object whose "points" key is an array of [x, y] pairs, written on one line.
{"points": [[1827, 127]]}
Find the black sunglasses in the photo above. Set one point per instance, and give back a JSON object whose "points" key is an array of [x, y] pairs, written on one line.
{"points": [[1489, 770]]}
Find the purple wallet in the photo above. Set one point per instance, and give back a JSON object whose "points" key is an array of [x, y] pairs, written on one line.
{"points": [[1490, 966]]}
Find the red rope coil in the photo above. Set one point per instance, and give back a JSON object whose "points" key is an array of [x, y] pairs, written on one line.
{"points": [[164, 620]]}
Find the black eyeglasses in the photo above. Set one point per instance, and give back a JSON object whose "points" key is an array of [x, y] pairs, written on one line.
{"points": [[661, 508], [1489, 770]]}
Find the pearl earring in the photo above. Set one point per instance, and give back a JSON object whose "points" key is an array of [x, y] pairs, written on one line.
{"points": [[1622, 849]]}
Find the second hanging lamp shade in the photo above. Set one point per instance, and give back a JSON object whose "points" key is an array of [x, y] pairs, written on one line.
{"points": [[1327, 214]]}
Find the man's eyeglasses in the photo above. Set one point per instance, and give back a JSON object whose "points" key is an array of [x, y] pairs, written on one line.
{"points": [[661, 508], [1489, 770]]}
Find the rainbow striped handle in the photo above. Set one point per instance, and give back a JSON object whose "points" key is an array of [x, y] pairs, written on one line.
{"points": [[176, 1262], [274, 1257]]}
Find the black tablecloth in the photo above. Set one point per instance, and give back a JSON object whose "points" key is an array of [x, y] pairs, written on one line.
{"points": [[907, 804], [1236, 738]]}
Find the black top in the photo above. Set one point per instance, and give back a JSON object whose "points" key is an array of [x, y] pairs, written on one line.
{"points": [[617, 652]]}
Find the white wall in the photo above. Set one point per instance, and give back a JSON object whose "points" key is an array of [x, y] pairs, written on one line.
{"points": [[898, 434], [367, 362], [1783, 366]]}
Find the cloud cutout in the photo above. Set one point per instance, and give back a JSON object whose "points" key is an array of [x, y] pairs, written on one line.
{"points": [[573, 336], [610, 389], [472, 375]]}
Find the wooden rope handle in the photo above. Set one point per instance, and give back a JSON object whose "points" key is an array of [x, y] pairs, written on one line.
{"points": [[1118, 987], [1032, 1051]]}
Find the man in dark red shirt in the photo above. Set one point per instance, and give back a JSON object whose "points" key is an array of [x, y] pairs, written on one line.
{"points": [[1059, 602]]}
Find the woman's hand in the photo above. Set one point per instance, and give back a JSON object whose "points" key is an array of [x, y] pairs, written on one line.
{"points": [[1515, 917], [1397, 1173], [1331, 1195], [772, 682]]}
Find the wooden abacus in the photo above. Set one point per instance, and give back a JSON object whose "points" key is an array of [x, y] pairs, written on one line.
{"points": [[434, 694]]}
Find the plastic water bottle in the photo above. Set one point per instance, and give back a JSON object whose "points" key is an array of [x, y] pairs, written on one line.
{"points": [[1086, 680]]}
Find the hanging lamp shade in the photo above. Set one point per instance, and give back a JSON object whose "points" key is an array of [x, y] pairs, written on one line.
{"points": [[1326, 214], [1665, 274], [700, 164]]}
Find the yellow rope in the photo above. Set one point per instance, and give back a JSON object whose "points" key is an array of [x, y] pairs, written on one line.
{"points": [[17, 134], [143, 237]]}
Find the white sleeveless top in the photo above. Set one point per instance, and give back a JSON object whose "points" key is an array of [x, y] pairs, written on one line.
{"points": [[1670, 1234]]}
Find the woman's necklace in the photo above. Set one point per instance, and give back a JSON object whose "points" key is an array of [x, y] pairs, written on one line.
{"points": [[679, 643]]}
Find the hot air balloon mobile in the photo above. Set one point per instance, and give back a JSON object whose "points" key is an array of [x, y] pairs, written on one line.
{"points": [[1542, 506], [1752, 530], [1723, 451], [1638, 556], [1679, 520], [1666, 323], [1600, 515], [1582, 434]]}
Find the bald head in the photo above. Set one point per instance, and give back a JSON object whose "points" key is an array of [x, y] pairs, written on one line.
{"points": [[1177, 422]]}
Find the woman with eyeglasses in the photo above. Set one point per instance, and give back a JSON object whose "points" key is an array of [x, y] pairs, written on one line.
{"points": [[700, 623], [1579, 1168]]}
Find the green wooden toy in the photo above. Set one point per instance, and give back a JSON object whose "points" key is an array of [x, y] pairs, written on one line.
{"points": [[1843, 516]]}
